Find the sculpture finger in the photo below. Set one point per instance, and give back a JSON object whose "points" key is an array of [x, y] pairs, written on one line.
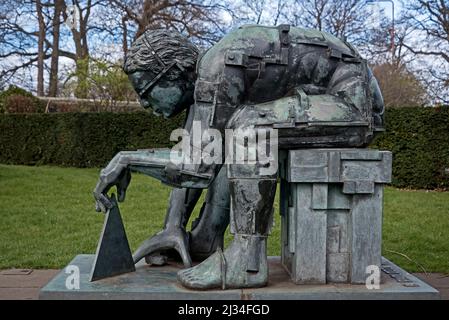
{"points": [[99, 207], [102, 202]]}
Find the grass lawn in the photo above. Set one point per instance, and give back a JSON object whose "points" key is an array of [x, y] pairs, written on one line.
{"points": [[47, 216]]}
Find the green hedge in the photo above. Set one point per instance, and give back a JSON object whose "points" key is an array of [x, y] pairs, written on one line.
{"points": [[418, 138], [80, 139], [14, 99]]}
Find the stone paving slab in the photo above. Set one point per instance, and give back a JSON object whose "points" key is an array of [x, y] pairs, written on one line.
{"points": [[19, 293], [23, 285], [19, 285], [160, 283], [437, 280]]}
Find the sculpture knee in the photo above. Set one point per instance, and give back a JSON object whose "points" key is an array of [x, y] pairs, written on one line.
{"points": [[252, 152]]}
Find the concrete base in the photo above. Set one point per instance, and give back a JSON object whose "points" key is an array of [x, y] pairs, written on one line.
{"points": [[159, 283]]}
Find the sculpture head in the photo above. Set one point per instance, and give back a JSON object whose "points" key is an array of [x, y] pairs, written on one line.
{"points": [[161, 67]]}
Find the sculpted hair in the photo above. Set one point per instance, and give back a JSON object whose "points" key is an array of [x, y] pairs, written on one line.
{"points": [[168, 46]]}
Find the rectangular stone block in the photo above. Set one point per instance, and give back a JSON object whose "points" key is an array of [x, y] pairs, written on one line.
{"points": [[319, 196], [334, 170], [307, 165], [337, 199], [311, 230], [338, 231], [338, 165], [366, 233], [333, 239], [374, 171], [334, 216], [337, 267], [291, 230], [362, 154]]}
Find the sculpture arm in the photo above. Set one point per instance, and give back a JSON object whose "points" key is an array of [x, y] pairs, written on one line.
{"points": [[356, 84], [157, 163], [298, 110]]}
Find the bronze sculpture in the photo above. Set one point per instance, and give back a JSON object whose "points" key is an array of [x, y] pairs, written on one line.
{"points": [[313, 88]]}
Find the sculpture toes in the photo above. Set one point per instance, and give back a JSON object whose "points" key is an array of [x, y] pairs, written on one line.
{"points": [[192, 277], [185, 273], [206, 275], [194, 282], [186, 280]]}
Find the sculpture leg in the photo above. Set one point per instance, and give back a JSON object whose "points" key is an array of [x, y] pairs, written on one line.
{"points": [[173, 236], [244, 263], [208, 230]]}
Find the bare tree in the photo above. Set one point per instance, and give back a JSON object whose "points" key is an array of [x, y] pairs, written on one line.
{"points": [[23, 27], [19, 35], [40, 48], [342, 18], [79, 32], [261, 12], [430, 43], [347, 18], [54, 64], [311, 13], [400, 86], [199, 19], [25, 40]]}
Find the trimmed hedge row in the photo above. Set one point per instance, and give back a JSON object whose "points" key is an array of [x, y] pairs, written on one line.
{"points": [[418, 138], [80, 139]]}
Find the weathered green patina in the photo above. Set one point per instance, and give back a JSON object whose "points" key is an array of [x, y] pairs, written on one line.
{"points": [[314, 89]]}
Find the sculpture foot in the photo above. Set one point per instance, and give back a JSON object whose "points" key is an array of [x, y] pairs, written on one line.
{"points": [[232, 268], [167, 239]]}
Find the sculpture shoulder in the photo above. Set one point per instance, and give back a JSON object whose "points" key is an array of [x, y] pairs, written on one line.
{"points": [[254, 33], [243, 39], [249, 37], [246, 37], [321, 38]]}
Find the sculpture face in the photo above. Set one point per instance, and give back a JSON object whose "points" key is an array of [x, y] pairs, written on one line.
{"points": [[166, 97]]}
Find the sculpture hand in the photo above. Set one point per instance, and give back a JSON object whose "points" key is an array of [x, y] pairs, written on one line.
{"points": [[102, 202], [105, 183]]}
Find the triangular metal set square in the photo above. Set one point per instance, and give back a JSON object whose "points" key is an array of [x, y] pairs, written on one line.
{"points": [[113, 256]]}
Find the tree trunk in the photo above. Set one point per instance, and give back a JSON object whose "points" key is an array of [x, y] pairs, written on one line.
{"points": [[82, 73], [53, 88], [125, 35], [82, 53], [40, 49]]}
